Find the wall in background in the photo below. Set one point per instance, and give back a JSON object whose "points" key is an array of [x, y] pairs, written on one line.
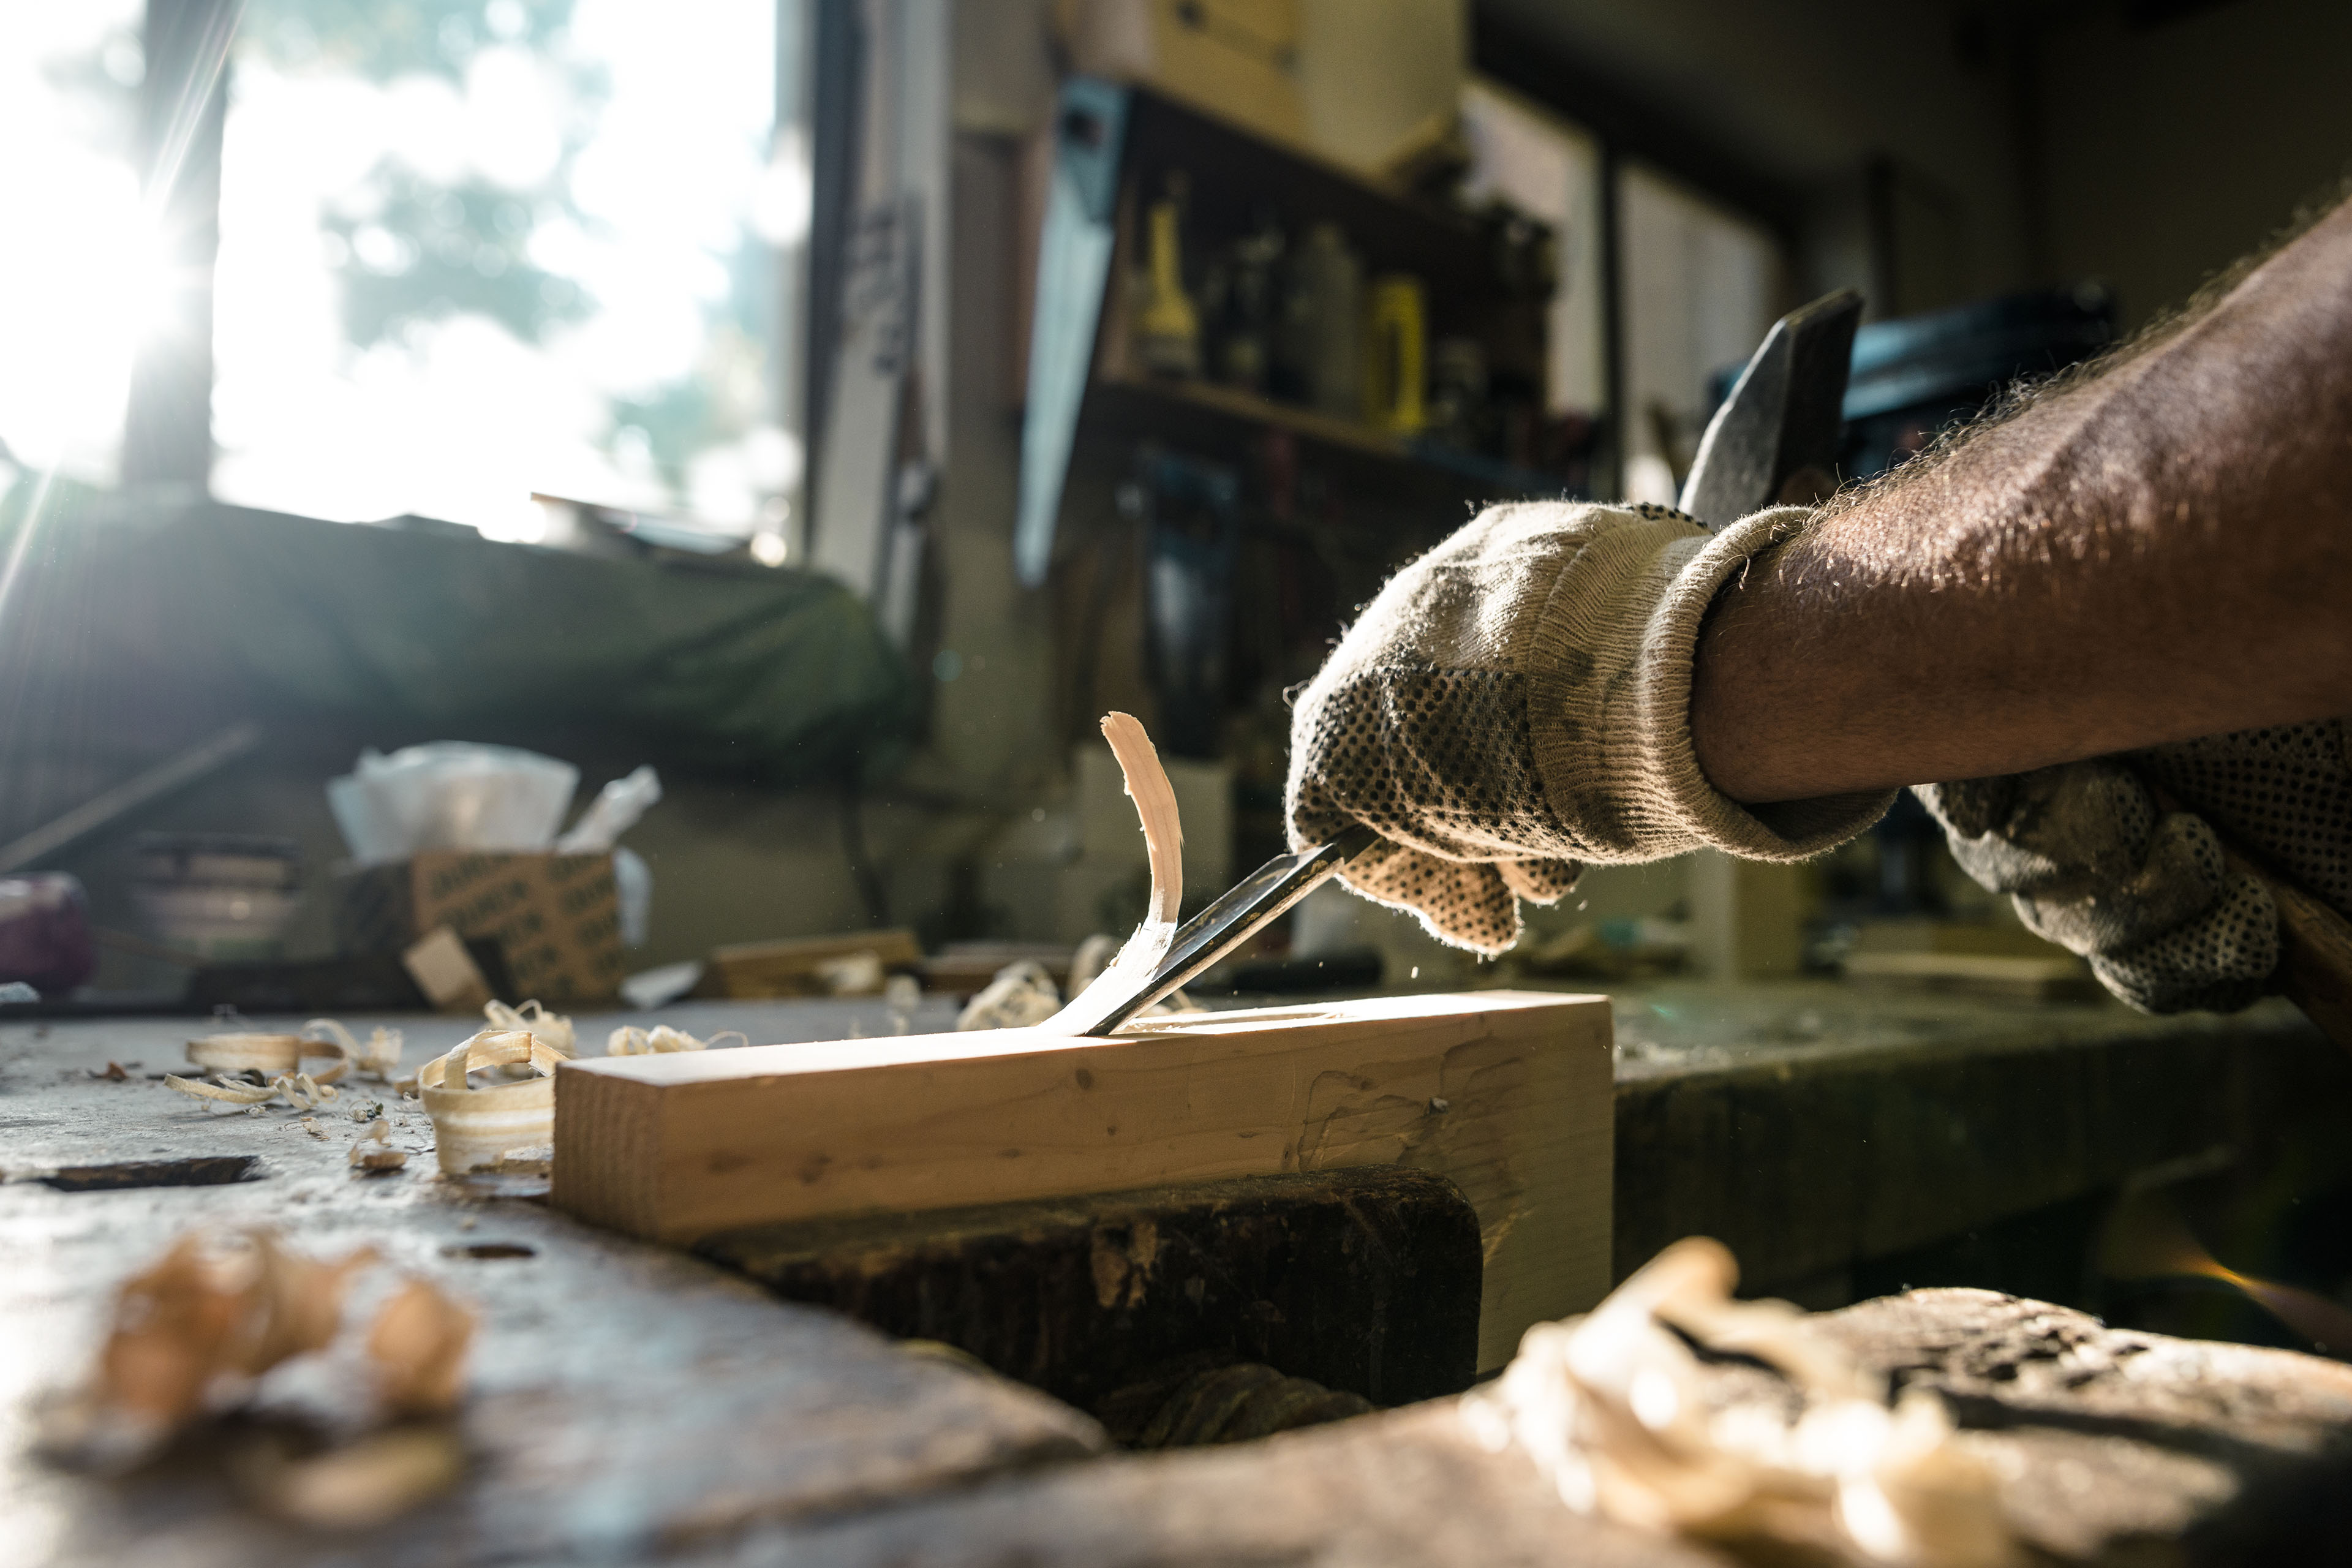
{"points": [[2174, 149], [1809, 98]]}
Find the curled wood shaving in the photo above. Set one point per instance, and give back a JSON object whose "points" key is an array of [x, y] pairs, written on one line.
{"points": [[472, 1128], [302, 1092], [1155, 802], [372, 1150], [231, 1093], [298, 1091], [1163, 844], [375, 1059], [553, 1030], [1614, 1407], [418, 1349], [271, 1054], [360, 1486], [629, 1040], [1023, 994], [203, 1319]]}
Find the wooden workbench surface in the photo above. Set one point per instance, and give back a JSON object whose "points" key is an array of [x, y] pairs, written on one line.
{"points": [[630, 1404]]}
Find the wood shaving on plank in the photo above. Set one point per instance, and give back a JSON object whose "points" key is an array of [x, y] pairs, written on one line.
{"points": [[553, 1030], [629, 1040], [1164, 846], [1613, 1408], [474, 1128]]}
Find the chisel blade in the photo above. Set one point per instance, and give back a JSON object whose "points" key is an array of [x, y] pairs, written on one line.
{"points": [[1253, 903]]}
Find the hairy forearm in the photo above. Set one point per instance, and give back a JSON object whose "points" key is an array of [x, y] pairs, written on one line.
{"points": [[2161, 552]]}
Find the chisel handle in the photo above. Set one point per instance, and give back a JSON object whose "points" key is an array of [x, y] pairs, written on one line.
{"points": [[2315, 969]]}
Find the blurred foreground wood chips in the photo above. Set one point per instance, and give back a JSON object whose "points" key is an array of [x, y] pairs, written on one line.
{"points": [[2113, 1448]]}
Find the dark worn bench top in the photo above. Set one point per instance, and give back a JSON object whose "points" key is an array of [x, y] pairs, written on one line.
{"points": [[632, 1404]]}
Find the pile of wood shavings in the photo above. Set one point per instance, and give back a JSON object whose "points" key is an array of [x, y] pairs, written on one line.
{"points": [[1613, 1408], [252, 1069], [629, 1040], [192, 1336]]}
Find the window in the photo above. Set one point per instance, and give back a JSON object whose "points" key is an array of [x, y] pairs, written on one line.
{"points": [[474, 250], [79, 243], [1701, 286]]}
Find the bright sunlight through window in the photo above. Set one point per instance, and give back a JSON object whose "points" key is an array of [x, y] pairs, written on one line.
{"points": [[473, 252], [78, 272]]}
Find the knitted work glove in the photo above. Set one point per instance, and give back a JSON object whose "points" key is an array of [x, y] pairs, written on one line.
{"points": [[1515, 704], [2095, 865]]}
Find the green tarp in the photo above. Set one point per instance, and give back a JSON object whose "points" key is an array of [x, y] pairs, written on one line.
{"points": [[779, 673]]}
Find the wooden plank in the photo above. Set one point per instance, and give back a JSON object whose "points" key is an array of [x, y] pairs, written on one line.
{"points": [[1506, 1093], [2058, 978], [793, 966]]}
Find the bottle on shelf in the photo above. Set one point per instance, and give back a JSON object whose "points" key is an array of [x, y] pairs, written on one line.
{"points": [[1395, 351], [1167, 326], [1320, 346]]}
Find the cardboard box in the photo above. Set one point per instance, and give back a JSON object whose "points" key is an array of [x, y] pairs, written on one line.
{"points": [[556, 917], [1236, 58]]}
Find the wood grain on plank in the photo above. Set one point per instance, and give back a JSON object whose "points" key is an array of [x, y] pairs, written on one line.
{"points": [[1508, 1094]]}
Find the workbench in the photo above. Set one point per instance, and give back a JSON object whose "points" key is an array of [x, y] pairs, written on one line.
{"points": [[632, 1403]]}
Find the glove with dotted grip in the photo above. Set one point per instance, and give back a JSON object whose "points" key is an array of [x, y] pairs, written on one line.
{"points": [[2095, 865], [1515, 704]]}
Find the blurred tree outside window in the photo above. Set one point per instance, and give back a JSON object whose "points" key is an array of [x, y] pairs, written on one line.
{"points": [[472, 250], [78, 256]]}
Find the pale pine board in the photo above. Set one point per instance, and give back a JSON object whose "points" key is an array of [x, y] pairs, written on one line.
{"points": [[674, 1148]]}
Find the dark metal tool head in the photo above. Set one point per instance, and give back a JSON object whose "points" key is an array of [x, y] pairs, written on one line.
{"points": [[1782, 417]]}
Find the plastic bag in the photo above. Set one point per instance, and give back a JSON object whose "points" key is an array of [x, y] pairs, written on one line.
{"points": [[450, 795], [614, 812]]}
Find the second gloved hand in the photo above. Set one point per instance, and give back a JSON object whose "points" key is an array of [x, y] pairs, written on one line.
{"points": [[1515, 704], [2095, 865]]}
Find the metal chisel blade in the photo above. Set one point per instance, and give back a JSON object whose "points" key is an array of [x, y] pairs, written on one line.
{"points": [[1253, 903]]}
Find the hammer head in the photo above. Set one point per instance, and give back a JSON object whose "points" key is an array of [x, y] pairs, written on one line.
{"points": [[1782, 417]]}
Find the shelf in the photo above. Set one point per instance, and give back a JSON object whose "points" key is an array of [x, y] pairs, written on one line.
{"points": [[1114, 148], [1234, 404], [1193, 408]]}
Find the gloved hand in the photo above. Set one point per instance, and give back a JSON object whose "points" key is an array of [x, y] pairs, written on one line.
{"points": [[2095, 867], [1515, 704]]}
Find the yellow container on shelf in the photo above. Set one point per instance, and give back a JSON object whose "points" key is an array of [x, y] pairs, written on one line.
{"points": [[1396, 351]]}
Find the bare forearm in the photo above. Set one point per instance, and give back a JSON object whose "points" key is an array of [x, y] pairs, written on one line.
{"points": [[2160, 553]]}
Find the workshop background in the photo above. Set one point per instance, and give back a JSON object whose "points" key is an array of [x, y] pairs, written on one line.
{"points": [[834, 407], [738, 301], [643, 507]]}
